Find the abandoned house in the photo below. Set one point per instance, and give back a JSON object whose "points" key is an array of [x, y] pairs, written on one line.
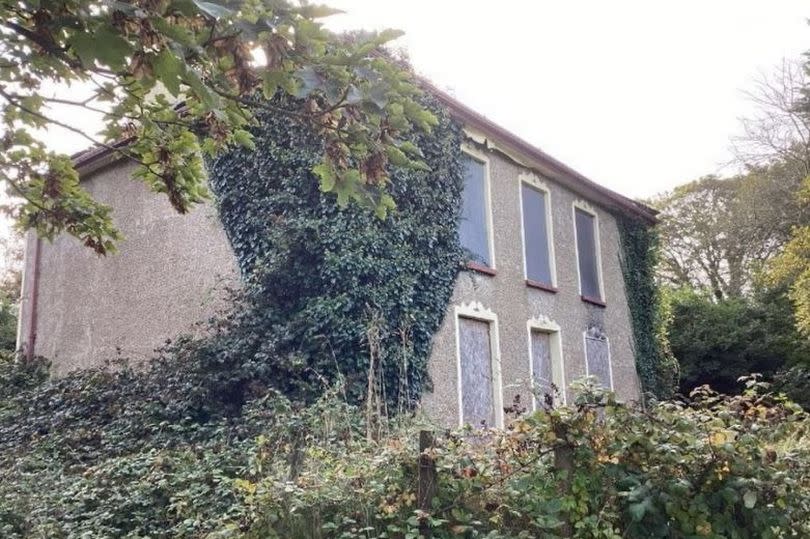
{"points": [[544, 303]]}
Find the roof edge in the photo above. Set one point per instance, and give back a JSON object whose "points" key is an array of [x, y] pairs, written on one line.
{"points": [[549, 166], [92, 159]]}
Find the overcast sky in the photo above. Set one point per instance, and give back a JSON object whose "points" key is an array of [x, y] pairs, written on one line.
{"points": [[637, 95]]}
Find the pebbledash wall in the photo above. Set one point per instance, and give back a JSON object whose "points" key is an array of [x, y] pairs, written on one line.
{"points": [[172, 272], [513, 308]]}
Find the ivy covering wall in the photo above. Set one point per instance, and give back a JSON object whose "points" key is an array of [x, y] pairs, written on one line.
{"points": [[656, 366], [337, 292]]}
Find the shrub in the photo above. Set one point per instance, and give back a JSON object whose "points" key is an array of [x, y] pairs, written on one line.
{"points": [[717, 342], [104, 454], [795, 383]]}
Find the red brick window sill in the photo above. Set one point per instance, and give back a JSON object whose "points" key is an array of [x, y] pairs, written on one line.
{"points": [[594, 301], [541, 286], [480, 268]]}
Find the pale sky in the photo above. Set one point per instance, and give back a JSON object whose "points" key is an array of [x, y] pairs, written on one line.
{"points": [[637, 95]]}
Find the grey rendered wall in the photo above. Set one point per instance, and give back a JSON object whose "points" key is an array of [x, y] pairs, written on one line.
{"points": [[514, 303], [170, 272]]}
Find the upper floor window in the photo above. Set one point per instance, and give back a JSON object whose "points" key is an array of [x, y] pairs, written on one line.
{"points": [[474, 229], [587, 237], [537, 237]]}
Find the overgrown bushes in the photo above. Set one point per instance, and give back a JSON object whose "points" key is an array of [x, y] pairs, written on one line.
{"points": [[718, 341], [102, 454]]}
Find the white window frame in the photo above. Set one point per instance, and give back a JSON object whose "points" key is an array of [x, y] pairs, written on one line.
{"points": [[551, 327], [587, 208], [536, 183], [585, 353], [478, 155], [476, 311]]}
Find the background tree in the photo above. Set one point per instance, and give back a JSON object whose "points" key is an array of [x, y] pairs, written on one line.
{"points": [[731, 255], [792, 267], [131, 63], [779, 130], [718, 233]]}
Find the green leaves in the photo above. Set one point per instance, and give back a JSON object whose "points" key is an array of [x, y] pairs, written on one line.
{"points": [[202, 52], [111, 48], [318, 249], [326, 175], [169, 69], [83, 46], [103, 44], [750, 499]]}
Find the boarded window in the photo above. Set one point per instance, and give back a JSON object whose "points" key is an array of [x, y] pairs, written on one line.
{"points": [[535, 235], [473, 229], [542, 374], [586, 251], [475, 351], [597, 354]]}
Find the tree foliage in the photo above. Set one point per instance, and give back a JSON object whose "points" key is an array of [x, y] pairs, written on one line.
{"points": [[718, 234], [792, 267], [171, 80], [717, 342]]}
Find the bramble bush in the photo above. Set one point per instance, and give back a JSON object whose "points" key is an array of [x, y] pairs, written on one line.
{"points": [[102, 453]]}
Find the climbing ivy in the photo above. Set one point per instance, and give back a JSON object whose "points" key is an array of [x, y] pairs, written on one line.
{"points": [[335, 291], [655, 363]]}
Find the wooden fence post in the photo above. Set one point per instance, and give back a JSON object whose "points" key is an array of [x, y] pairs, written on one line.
{"points": [[564, 462], [426, 485]]}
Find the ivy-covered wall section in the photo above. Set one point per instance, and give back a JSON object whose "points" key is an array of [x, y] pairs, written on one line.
{"points": [[336, 293], [656, 366]]}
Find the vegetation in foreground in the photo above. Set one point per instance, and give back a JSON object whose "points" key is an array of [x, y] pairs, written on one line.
{"points": [[103, 454]]}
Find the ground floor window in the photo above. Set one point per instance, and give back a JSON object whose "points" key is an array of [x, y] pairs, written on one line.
{"points": [[542, 368], [479, 391], [597, 357], [546, 363]]}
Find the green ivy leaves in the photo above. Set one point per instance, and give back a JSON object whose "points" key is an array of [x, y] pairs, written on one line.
{"points": [[321, 271]]}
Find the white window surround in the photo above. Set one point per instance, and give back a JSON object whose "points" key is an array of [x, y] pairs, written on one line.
{"points": [[477, 311], [551, 327], [534, 181], [484, 158], [596, 333], [587, 208]]}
